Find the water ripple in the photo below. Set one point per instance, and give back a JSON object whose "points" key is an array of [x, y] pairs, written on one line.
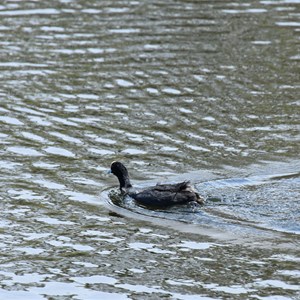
{"points": [[169, 88]]}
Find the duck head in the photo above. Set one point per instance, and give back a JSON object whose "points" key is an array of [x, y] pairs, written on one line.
{"points": [[120, 171]]}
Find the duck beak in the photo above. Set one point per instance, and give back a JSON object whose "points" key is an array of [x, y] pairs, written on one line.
{"points": [[108, 171]]}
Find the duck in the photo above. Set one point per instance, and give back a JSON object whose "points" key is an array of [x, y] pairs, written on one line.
{"points": [[160, 195]]}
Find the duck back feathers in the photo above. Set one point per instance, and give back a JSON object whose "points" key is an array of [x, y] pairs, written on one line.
{"points": [[167, 194]]}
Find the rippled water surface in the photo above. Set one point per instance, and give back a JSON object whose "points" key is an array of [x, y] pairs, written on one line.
{"points": [[200, 90]]}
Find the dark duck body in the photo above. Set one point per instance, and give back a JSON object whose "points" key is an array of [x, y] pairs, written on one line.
{"points": [[160, 195]]}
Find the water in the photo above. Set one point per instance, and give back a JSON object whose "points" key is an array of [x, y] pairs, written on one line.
{"points": [[206, 91]]}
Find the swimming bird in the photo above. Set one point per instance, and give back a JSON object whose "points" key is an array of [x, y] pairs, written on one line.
{"points": [[160, 195]]}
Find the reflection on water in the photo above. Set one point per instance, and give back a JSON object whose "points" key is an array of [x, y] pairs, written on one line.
{"points": [[204, 89]]}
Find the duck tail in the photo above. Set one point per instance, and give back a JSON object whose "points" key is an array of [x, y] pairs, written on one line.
{"points": [[182, 186], [186, 185], [200, 199]]}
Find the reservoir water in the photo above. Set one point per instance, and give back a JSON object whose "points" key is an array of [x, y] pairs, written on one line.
{"points": [[206, 91]]}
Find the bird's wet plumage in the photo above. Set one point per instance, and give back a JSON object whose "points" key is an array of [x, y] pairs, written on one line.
{"points": [[160, 195]]}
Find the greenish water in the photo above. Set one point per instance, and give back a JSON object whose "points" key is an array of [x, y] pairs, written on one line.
{"points": [[200, 90]]}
